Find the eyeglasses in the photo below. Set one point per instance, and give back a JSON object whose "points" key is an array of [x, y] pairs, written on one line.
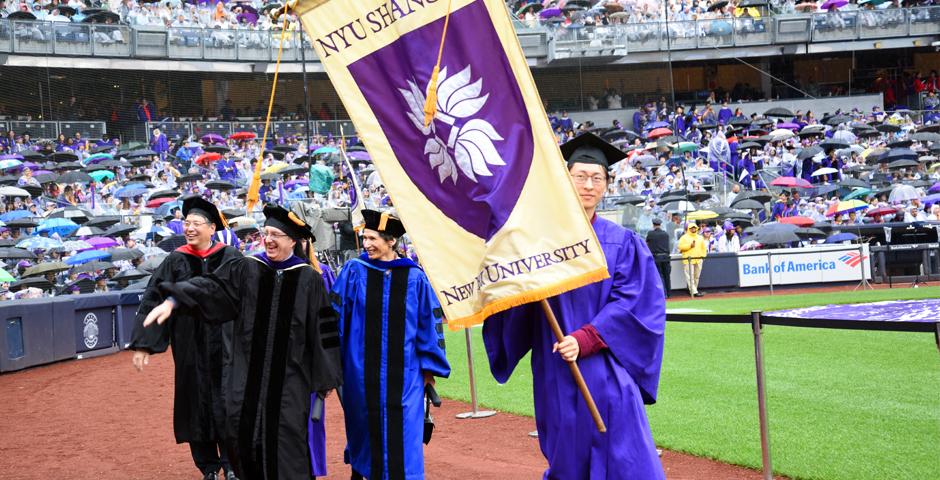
{"points": [[583, 179], [276, 236], [194, 224]]}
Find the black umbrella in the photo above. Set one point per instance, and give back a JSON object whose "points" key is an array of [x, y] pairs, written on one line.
{"points": [[101, 149], [809, 152], [12, 252], [274, 153], [114, 164], [163, 194], [103, 221], [32, 282], [758, 195], [128, 275], [294, 170], [831, 144], [776, 234], [121, 253], [69, 166], [44, 268], [93, 266], [824, 189], [75, 214], [23, 223], [905, 163], [74, 177], [9, 180], [853, 183], [64, 156], [922, 136], [867, 133], [809, 232], [718, 5], [283, 147], [190, 177], [926, 128], [220, 185], [139, 154], [21, 15], [752, 3], [102, 17], [119, 230], [223, 149], [837, 119], [900, 144], [44, 178], [779, 112], [747, 204], [748, 145], [172, 243], [899, 154], [887, 127]]}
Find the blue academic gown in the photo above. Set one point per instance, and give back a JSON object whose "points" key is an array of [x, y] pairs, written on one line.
{"points": [[628, 310], [316, 431], [391, 332]]}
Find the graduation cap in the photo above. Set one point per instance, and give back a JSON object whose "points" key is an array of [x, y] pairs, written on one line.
{"points": [[383, 222], [204, 208], [591, 149], [287, 222]]}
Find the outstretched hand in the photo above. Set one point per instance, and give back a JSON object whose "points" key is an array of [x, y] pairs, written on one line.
{"points": [[160, 313]]}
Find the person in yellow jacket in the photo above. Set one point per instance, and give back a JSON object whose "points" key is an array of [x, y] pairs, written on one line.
{"points": [[693, 248]]}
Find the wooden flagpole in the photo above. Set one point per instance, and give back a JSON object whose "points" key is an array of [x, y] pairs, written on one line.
{"points": [[575, 371]]}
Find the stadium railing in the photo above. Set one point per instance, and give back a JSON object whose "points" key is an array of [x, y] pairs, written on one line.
{"points": [[97, 40], [46, 129], [278, 129]]}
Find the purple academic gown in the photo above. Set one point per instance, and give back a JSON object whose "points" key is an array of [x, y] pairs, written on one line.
{"points": [[628, 310], [316, 431]]}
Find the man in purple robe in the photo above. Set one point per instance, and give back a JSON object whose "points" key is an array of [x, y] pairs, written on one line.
{"points": [[615, 333]]}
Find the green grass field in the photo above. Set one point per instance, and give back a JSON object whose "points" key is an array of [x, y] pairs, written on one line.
{"points": [[847, 405]]}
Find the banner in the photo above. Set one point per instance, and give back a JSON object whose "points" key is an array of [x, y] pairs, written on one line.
{"points": [[820, 264], [483, 189]]}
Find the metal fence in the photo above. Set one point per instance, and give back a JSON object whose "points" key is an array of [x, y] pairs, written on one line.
{"points": [[79, 39], [197, 129], [38, 129]]}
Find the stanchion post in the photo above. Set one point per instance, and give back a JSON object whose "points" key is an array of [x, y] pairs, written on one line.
{"points": [[770, 271], [864, 284], [761, 396], [473, 413]]}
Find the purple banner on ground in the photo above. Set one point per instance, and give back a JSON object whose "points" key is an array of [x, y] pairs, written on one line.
{"points": [[891, 311]]}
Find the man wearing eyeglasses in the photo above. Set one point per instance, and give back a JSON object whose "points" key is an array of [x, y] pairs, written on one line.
{"points": [[199, 349], [614, 331]]}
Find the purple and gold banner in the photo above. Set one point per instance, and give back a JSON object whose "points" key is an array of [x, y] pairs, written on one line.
{"points": [[483, 189]]}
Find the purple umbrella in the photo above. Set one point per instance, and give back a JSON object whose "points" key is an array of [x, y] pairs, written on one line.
{"points": [[550, 12], [30, 165], [360, 156], [248, 17], [42, 172], [294, 183], [212, 138], [101, 243], [11, 156], [788, 126], [929, 200], [935, 188], [833, 4]]}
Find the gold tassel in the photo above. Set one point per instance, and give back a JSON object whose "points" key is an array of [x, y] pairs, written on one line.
{"points": [[430, 105], [312, 255]]}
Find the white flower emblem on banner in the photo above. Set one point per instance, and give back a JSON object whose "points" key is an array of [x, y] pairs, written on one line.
{"points": [[469, 147]]}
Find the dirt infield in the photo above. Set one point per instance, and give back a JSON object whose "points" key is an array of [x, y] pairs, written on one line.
{"points": [[100, 419]]}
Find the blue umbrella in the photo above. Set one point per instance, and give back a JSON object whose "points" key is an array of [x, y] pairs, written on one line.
{"points": [[168, 207], [130, 191], [10, 163], [62, 226], [98, 157], [842, 237], [88, 256], [720, 28], [15, 215], [38, 243]]}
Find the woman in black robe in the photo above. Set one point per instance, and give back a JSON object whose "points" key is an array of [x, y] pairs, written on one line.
{"points": [[286, 346]]}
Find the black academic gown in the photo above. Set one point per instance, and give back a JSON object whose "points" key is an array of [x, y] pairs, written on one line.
{"points": [[286, 346], [199, 349]]}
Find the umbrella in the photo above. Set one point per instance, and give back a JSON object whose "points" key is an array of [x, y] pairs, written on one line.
{"points": [[22, 223], [747, 204], [38, 243], [680, 206], [172, 243], [189, 177], [810, 233], [62, 226], [824, 171], [881, 211], [212, 138], [837, 119], [101, 175], [220, 185], [206, 158], [13, 192], [158, 201], [102, 17], [776, 234], [847, 206], [75, 246], [833, 144], [89, 256], [86, 231], [779, 112], [152, 263], [130, 191], [97, 158], [15, 253], [833, 4], [100, 243], [926, 137], [659, 132], [93, 266], [798, 221], [859, 193], [842, 237], [900, 144], [903, 193], [44, 268], [760, 196], [888, 128], [74, 177], [9, 163], [79, 215], [119, 230], [790, 182], [32, 282], [903, 164], [683, 147], [122, 253], [899, 154], [223, 149], [132, 274], [243, 136], [701, 215], [63, 156], [809, 152], [5, 277]]}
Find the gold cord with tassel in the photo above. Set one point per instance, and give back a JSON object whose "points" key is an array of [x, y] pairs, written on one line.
{"points": [[430, 105]]}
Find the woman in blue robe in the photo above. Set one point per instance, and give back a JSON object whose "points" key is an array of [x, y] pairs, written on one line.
{"points": [[618, 326], [392, 345]]}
